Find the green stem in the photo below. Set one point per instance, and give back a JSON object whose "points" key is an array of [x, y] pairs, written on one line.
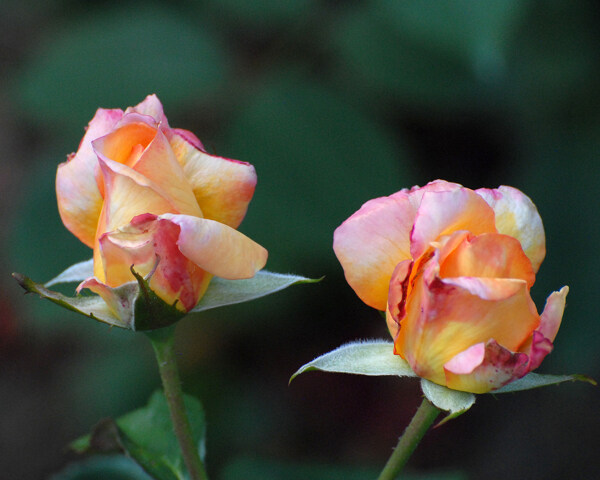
{"points": [[162, 342], [409, 440]]}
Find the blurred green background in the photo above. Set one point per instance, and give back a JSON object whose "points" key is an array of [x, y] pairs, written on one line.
{"points": [[334, 102]]}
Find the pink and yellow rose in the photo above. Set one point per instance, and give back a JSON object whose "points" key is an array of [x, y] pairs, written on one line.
{"points": [[452, 268], [143, 194]]}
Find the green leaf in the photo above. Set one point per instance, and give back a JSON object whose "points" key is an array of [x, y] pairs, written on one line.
{"points": [[113, 467], [223, 292], [536, 380], [369, 357], [452, 401], [147, 436]]}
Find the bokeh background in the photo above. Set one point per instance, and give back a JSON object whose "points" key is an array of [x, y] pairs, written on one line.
{"points": [[334, 102]]}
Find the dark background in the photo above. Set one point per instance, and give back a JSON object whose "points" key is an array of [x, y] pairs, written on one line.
{"points": [[334, 102]]}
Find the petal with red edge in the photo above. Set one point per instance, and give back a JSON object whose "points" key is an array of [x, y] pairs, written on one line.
{"points": [[551, 317], [223, 188], [149, 243], [78, 195], [445, 212], [397, 296], [371, 243], [484, 367], [536, 348], [217, 248], [517, 216]]}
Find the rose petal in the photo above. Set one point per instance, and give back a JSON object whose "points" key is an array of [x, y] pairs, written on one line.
{"points": [[128, 194], [371, 243], [536, 348], [151, 107], [217, 248], [397, 296], [119, 301], [484, 367], [222, 187], [553, 312], [149, 153], [415, 194], [78, 195], [517, 216], [445, 212], [446, 316], [148, 239], [490, 255]]}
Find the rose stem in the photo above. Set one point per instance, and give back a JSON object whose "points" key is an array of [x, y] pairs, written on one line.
{"points": [[409, 440], [162, 342]]}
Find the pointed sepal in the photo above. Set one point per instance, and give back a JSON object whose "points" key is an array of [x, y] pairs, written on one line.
{"points": [[452, 401], [367, 357], [536, 380], [223, 292]]}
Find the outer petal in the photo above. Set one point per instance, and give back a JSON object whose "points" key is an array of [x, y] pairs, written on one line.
{"points": [[484, 367], [223, 188], [372, 242], [79, 199], [149, 153], [121, 306], [150, 244], [552, 315], [446, 316], [540, 343], [217, 248], [445, 212], [517, 216]]}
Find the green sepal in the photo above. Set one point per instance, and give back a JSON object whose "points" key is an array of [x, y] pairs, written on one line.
{"points": [[536, 380], [150, 311], [452, 401], [367, 357], [146, 435], [136, 305], [223, 292], [92, 306]]}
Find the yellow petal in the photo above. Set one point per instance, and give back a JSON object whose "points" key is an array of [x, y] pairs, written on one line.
{"points": [[517, 216], [223, 188], [128, 194], [446, 316], [490, 255]]}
